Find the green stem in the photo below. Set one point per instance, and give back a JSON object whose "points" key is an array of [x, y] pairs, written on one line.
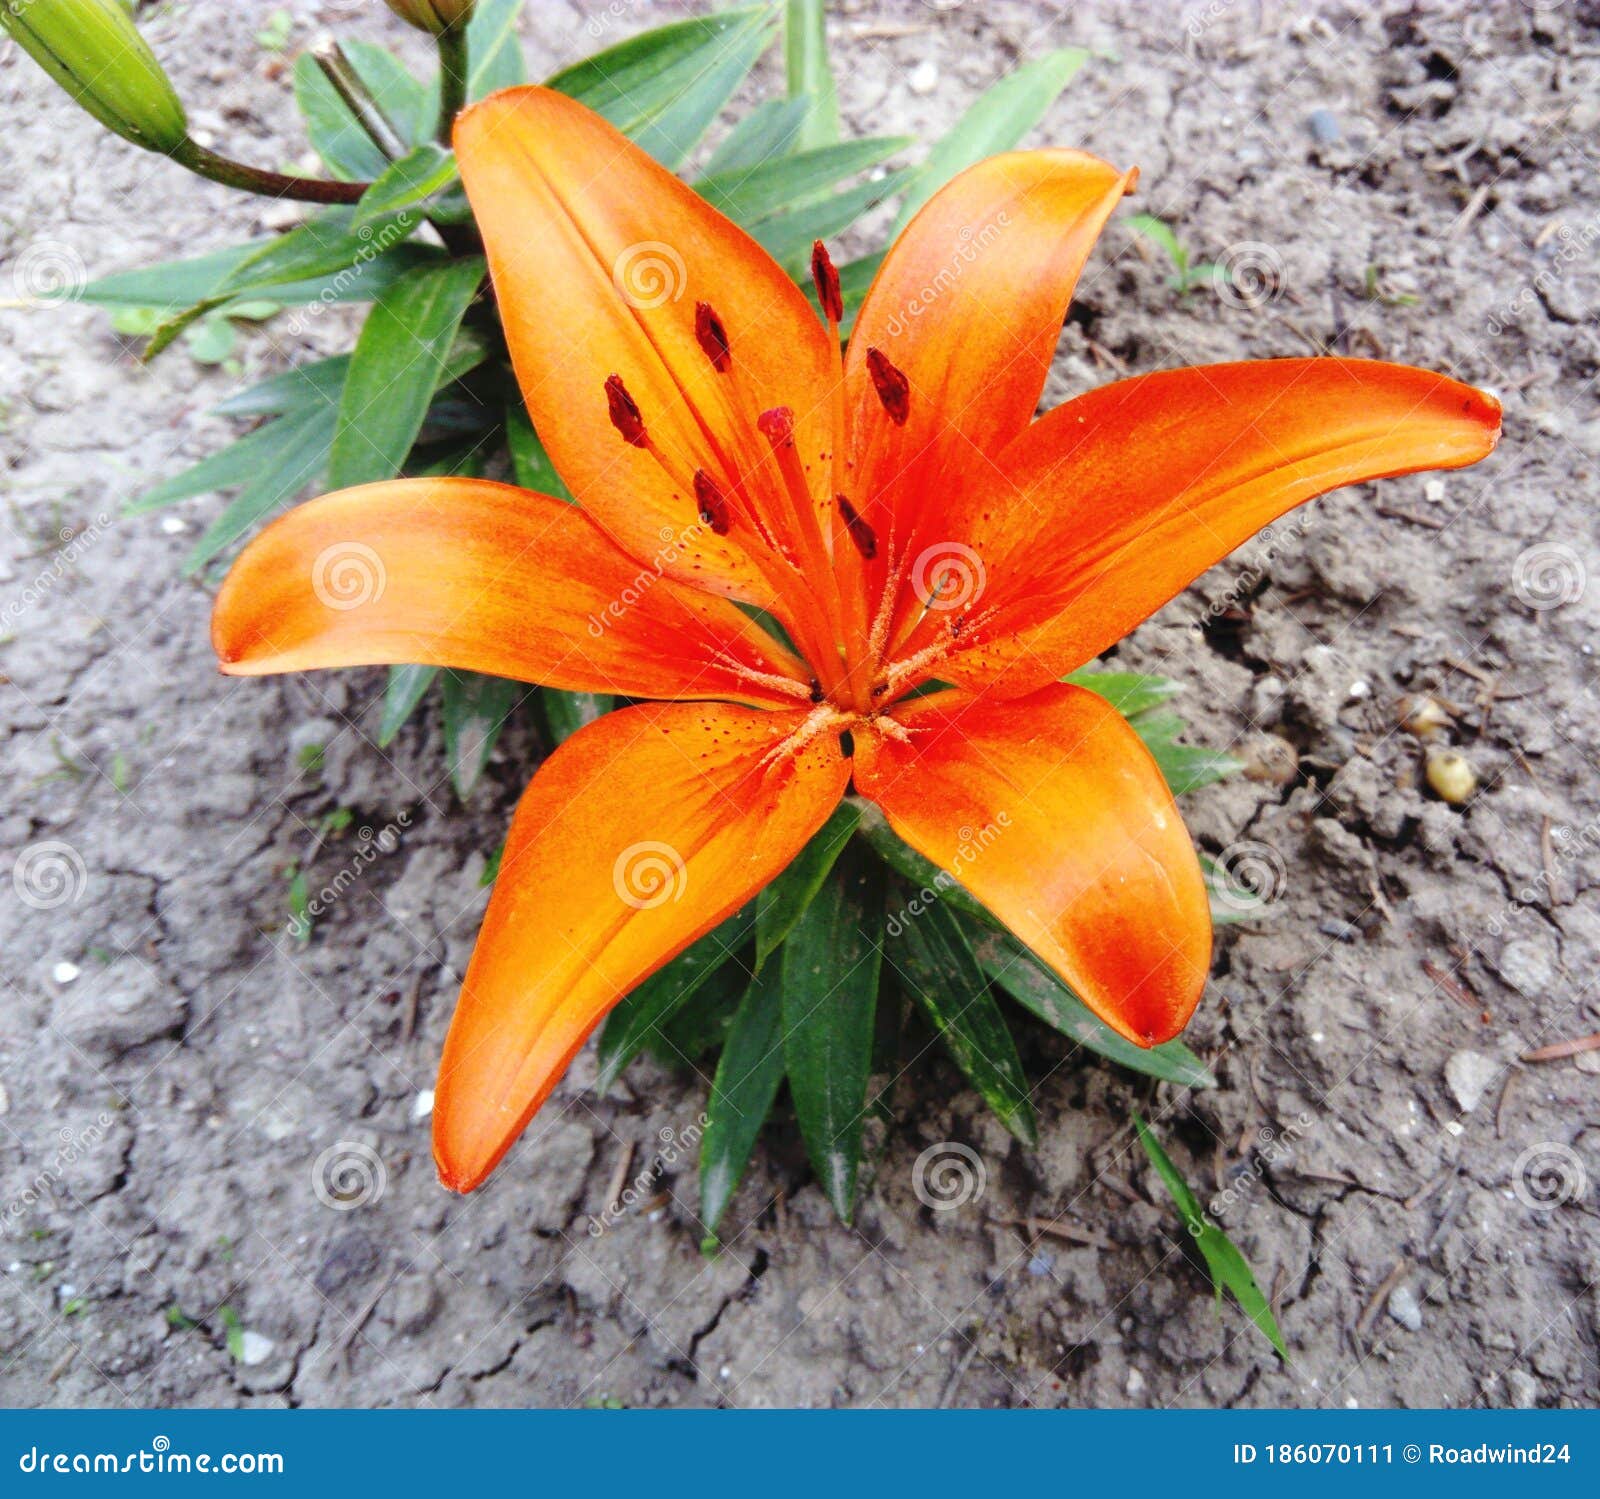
{"points": [[204, 163], [452, 79], [358, 99]]}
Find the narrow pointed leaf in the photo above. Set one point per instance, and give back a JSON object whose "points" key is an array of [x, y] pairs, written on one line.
{"points": [[935, 963], [475, 710], [829, 976], [632, 1024], [768, 132], [236, 464], [567, 712], [418, 175], [996, 122], [1129, 692], [335, 134], [405, 689], [494, 53], [397, 365], [529, 462], [1028, 981], [806, 70], [700, 1026], [929, 880], [1229, 1269], [752, 193], [748, 1075], [327, 245], [788, 236], [781, 904], [314, 384]]}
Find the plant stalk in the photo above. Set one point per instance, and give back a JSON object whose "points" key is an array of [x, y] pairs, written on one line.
{"points": [[358, 99], [204, 163], [452, 79]]}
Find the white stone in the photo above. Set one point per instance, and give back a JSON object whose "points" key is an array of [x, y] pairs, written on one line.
{"points": [[422, 1105], [924, 78], [64, 973], [1470, 1075], [254, 1348], [1405, 1309]]}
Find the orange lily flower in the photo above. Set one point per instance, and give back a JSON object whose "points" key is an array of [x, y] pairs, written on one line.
{"points": [[896, 507]]}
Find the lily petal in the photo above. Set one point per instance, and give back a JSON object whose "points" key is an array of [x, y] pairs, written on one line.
{"points": [[1114, 502], [599, 258], [968, 307], [484, 577], [1050, 811], [640, 834]]}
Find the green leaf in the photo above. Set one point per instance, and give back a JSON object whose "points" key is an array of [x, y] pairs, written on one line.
{"points": [[396, 367], [749, 1072], [1229, 1269], [567, 712], [173, 284], [181, 322], [806, 70], [756, 192], [1187, 767], [1162, 234], [638, 1017], [996, 122], [905, 861], [403, 691], [936, 965], [335, 135], [302, 453], [493, 51], [530, 464], [787, 236], [1129, 692], [417, 175], [829, 977], [1016, 969], [314, 384], [780, 905], [701, 1025], [475, 710], [664, 87], [323, 246], [768, 132]]}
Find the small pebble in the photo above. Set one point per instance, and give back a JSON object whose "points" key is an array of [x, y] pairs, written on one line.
{"points": [[1404, 1308], [1469, 1075], [422, 1105], [1344, 931], [174, 525], [1452, 777], [1323, 125], [1135, 1382], [924, 78], [254, 1348], [1041, 1264], [1433, 490], [64, 973]]}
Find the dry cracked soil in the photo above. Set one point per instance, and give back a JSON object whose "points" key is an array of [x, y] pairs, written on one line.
{"points": [[179, 1077]]}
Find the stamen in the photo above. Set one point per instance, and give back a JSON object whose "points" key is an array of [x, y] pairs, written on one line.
{"points": [[826, 279], [894, 390], [860, 529], [777, 426], [711, 336], [624, 412], [712, 502]]}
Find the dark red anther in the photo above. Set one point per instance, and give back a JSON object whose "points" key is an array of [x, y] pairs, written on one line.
{"points": [[624, 411], [894, 390], [712, 336], [826, 279], [777, 425], [712, 502], [860, 529]]}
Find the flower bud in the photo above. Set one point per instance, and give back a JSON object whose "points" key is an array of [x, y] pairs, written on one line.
{"points": [[436, 16], [94, 51]]}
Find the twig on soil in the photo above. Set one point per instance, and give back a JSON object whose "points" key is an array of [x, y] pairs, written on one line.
{"points": [[1559, 1049], [1500, 1108], [1424, 1192], [1443, 979], [1429, 521], [1473, 208], [368, 1307], [619, 1178], [1547, 855], [1056, 1229], [408, 1018], [1390, 1281]]}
